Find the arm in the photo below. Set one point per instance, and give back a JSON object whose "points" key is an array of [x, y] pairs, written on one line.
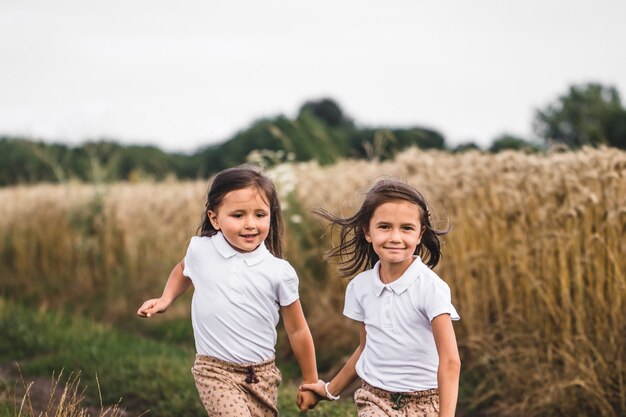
{"points": [[449, 364], [176, 284], [301, 343], [345, 377]]}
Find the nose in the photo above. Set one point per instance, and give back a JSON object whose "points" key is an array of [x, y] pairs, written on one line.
{"points": [[249, 222], [394, 236]]}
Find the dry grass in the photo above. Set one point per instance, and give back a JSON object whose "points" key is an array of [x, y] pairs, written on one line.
{"points": [[96, 249], [535, 260], [57, 397]]}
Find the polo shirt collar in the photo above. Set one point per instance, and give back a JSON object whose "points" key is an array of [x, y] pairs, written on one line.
{"points": [[401, 284], [227, 251]]}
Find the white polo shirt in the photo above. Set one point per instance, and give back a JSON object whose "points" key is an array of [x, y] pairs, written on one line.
{"points": [[237, 297], [400, 353]]}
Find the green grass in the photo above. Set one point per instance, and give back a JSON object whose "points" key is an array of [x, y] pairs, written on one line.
{"points": [[146, 374]]}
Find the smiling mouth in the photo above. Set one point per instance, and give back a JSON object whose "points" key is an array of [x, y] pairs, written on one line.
{"points": [[249, 236]]}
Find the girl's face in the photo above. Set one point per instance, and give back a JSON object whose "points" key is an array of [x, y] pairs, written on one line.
{"points": [[395, 231], [243, 217]]}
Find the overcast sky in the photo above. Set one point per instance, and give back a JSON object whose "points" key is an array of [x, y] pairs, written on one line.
{"points": [[183, 74]]}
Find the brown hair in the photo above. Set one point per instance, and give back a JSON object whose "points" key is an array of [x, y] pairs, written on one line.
{"points": [[355, 252], [236, 178]]}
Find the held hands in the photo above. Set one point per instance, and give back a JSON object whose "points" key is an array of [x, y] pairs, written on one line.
{"points": [[306, 400], [151, 307], [318, 388]]}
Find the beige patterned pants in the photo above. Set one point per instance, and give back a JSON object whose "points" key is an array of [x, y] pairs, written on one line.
{"points": [[376, 402], [234, 390]]}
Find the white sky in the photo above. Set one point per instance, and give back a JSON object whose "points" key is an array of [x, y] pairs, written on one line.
{"points": [[183, 74]]}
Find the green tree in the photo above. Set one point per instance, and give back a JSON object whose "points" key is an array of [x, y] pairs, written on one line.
{"points": [[326, 110], [466, 146], [20, 163], [320, 132], [512, 142], [588, 114]]}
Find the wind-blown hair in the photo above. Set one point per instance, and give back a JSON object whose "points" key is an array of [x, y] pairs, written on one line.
{"points": [[237, 178], [355, 253]]}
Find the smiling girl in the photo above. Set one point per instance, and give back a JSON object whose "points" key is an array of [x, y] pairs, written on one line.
{"points": [[241, 286], [407, 356]]}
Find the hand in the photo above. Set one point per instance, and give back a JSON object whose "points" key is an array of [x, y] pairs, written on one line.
{"points": [[152, 306], [317, 388], [306, 400]]}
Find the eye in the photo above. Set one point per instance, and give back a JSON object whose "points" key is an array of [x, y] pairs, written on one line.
{"points": [[237, 215], [408, 228], [383, 226], [261, 214]]}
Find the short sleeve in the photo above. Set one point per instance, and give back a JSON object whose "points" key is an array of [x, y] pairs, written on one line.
{"points": [[352, 308], [437, 300], [189, 259], [288, 285]]}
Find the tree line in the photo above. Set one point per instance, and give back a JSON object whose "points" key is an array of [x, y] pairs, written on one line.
{"points": [[589, 114]]}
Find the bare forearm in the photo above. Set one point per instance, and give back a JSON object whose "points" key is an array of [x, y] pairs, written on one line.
{"points": [[176, 284], [449, 364], [448, 380], [344, 378], [347, 375], [302, 345]]}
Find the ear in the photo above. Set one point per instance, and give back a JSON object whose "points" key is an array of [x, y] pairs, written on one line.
{"points": [[421, 234], [366, 233], [213, 219]]}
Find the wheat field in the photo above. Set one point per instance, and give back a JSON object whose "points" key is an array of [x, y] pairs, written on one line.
{"points": [[535, 260]]}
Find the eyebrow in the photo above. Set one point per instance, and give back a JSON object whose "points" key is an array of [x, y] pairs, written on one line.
{"points": [[254, 210], [388, 223]]}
